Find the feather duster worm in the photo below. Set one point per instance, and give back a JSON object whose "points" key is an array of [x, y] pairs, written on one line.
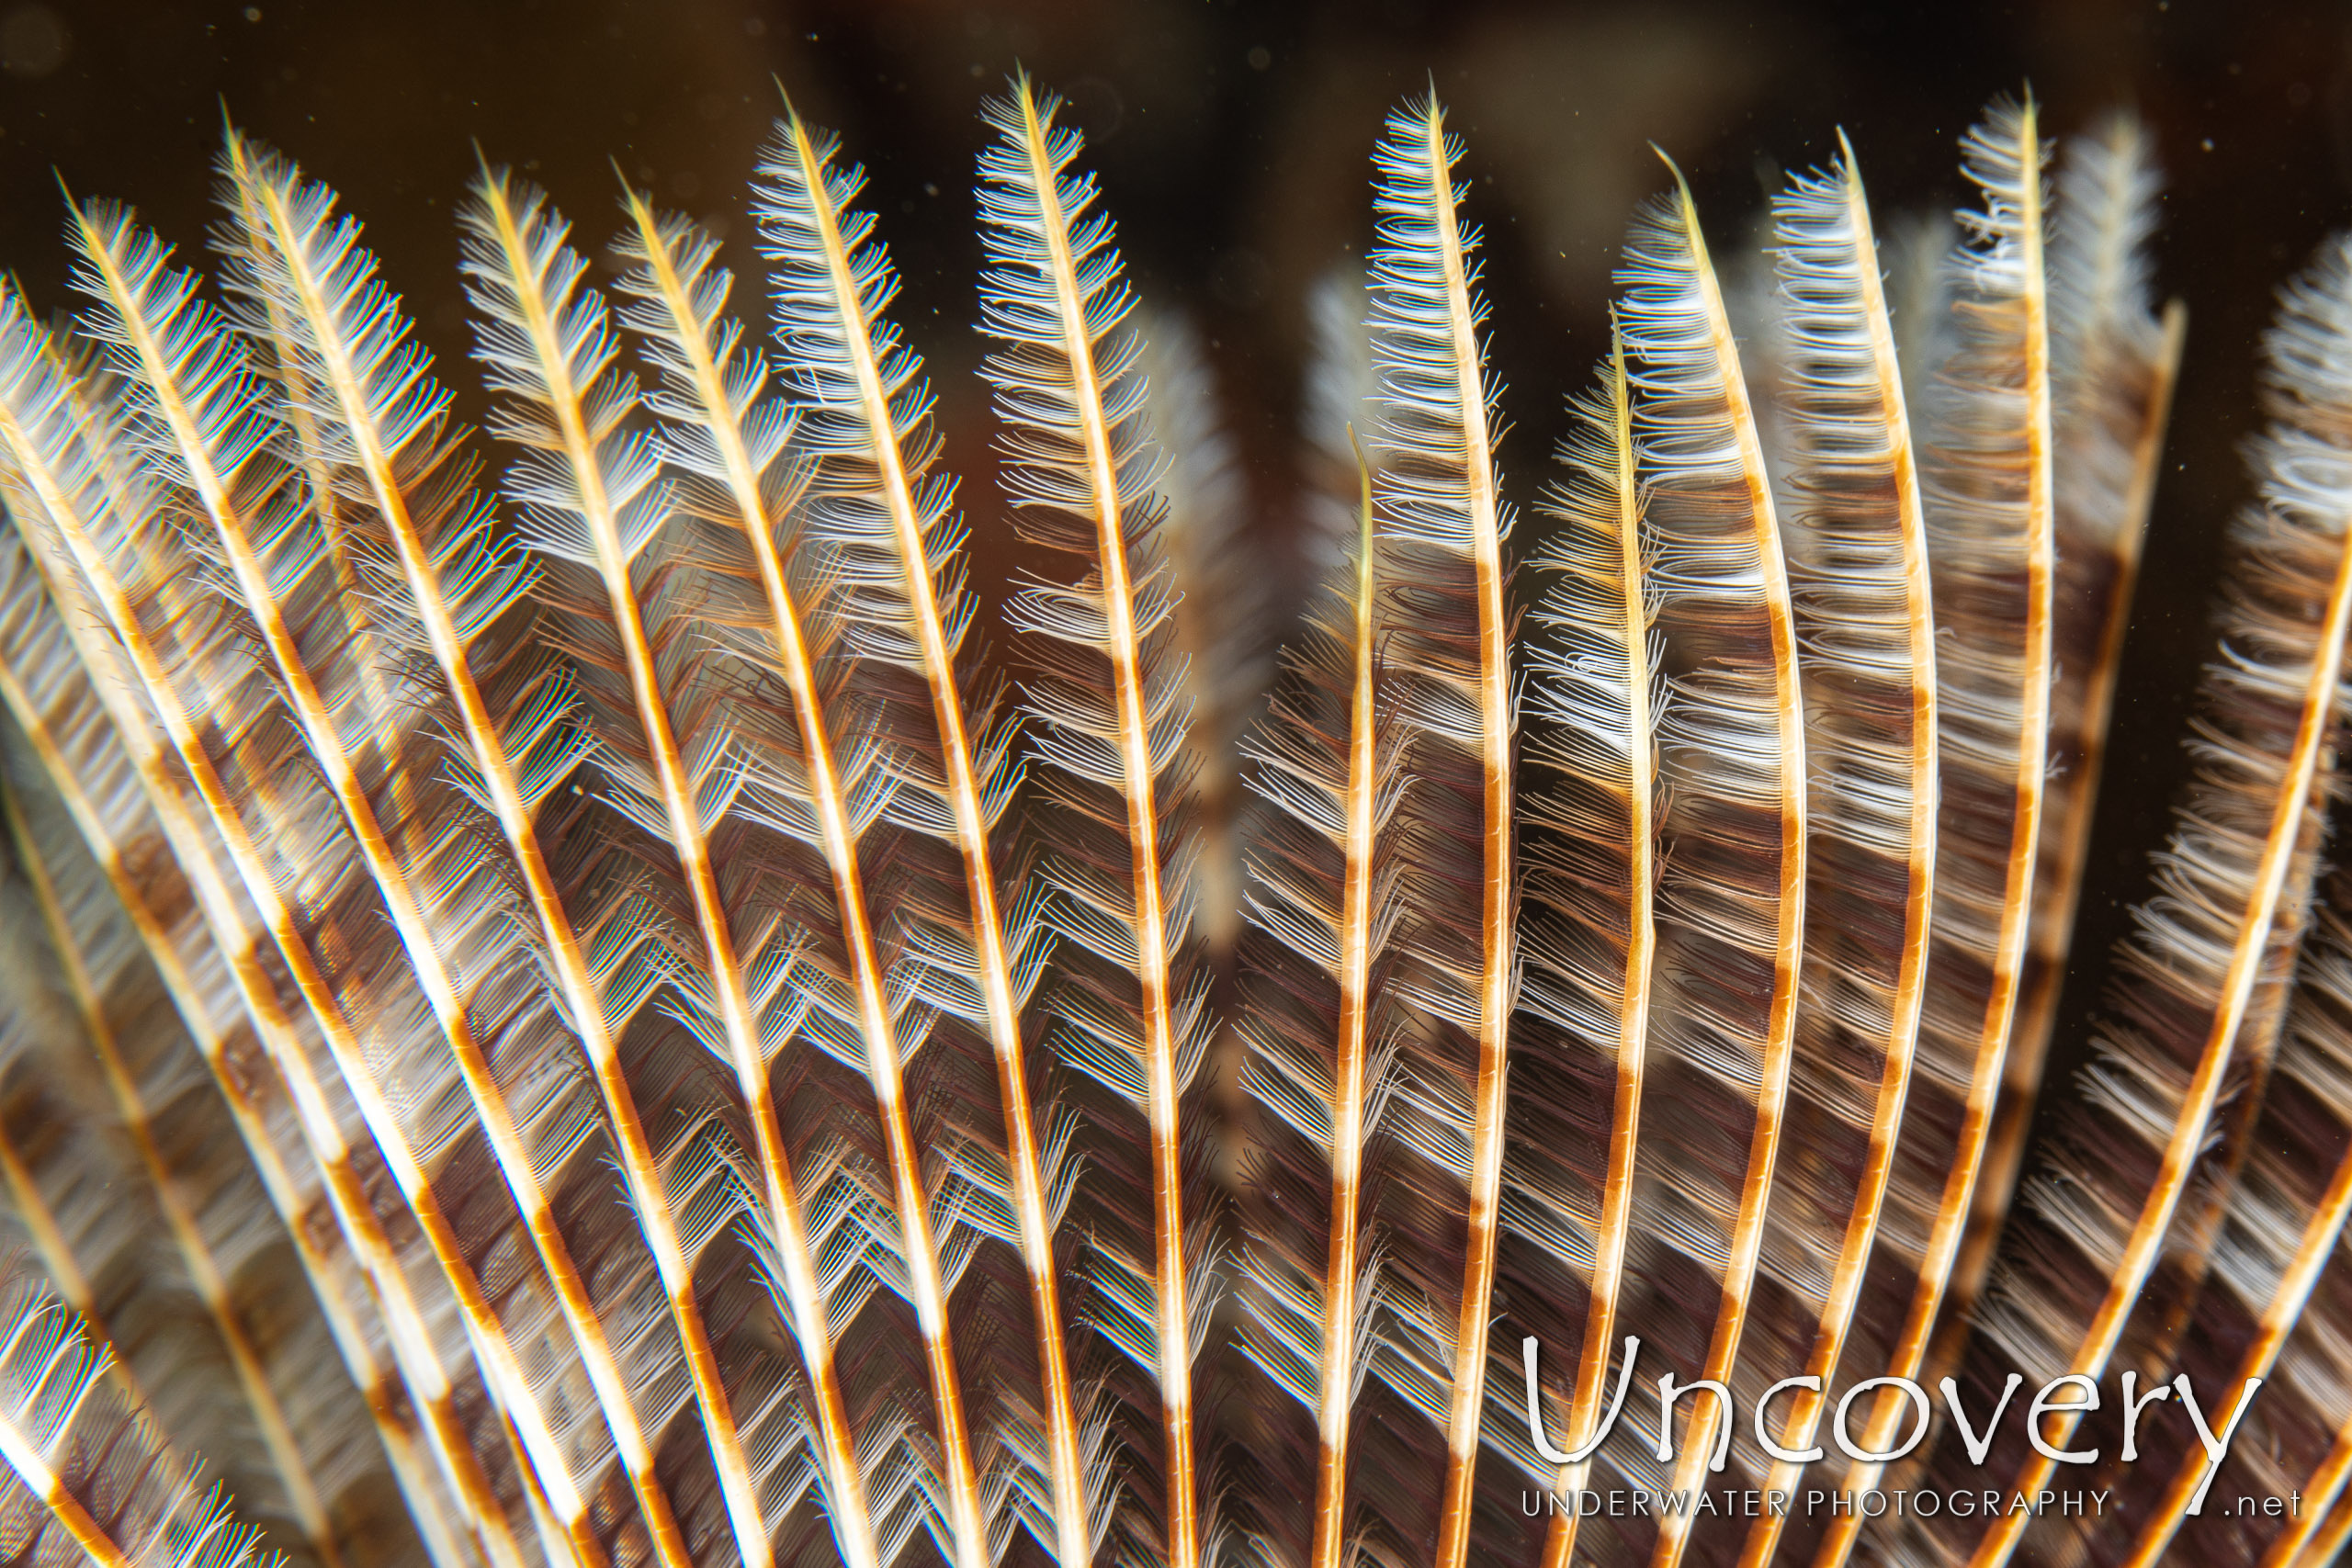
{"points": [[719, 1121]]}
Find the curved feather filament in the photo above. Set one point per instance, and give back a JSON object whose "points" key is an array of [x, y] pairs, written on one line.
{"points": [[730, 440], [1859, 560], [1320, 1035], [52, 475], [90, 1464], [1344, 1268], [392, 447], [2114, 363], [588, 490], [296, 407], [873, 494], [2078, 1257], [1732, 897], [1988, 486], [1443, 517], [1079, 475], [1591, 883], [2286, 1216], [1723, 1029]]}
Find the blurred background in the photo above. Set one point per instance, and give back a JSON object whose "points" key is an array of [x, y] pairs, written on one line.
{"points": [[1231, 142]]}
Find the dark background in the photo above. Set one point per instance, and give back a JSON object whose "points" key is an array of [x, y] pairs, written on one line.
{"points": [[1231, 141]]}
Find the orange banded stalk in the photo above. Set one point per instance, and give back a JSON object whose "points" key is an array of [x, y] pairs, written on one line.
{"points": [[1611, 697], [1072, 401], [526, 279], [833, 280], [1437, 492], [1737, 752], [2095, 1230], [1989, 524], [1864, 553], [710, 393], [2114, 368]]}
